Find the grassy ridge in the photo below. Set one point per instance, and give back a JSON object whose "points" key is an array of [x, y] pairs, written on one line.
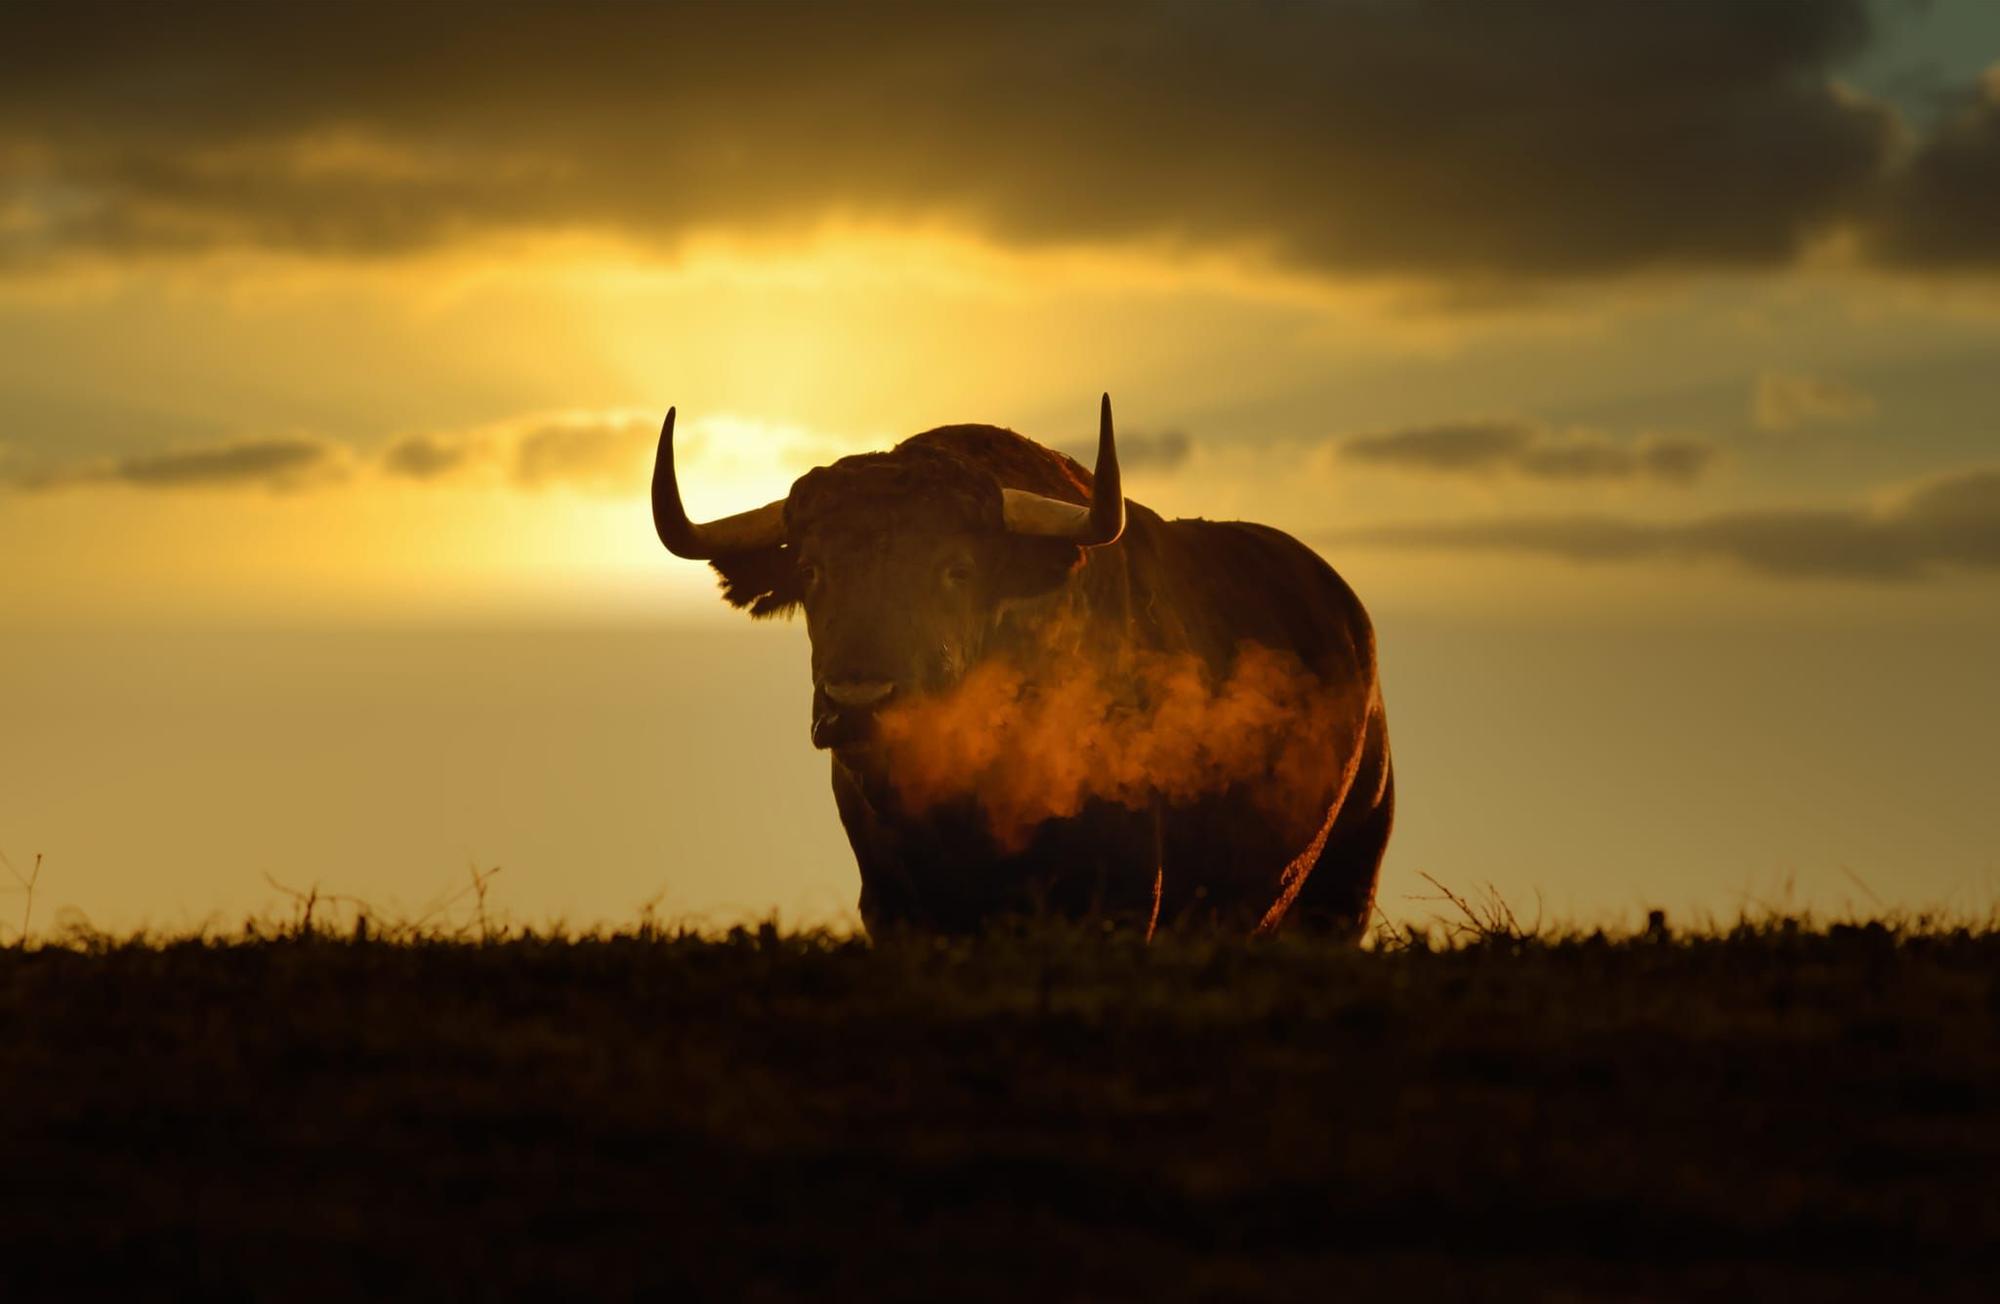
{"points": [[1049, 1111]]}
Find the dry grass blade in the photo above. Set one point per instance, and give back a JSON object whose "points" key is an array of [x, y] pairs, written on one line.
{"points": [[1489, 920], [27, 888]]}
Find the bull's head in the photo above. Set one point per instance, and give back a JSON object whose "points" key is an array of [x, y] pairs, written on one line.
{"points": [[905, 563]]}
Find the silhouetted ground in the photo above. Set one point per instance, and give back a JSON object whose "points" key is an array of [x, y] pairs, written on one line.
{"points": [[1776, 1113]]}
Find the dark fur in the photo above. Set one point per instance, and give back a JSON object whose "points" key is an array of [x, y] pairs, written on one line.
{"points": [[1193, 586]]}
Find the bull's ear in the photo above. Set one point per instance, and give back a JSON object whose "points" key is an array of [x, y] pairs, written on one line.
{"points": [[766, 580], [1031, 567]]}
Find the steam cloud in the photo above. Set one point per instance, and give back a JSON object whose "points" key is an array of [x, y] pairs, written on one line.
{"points": [[1030, 748]]}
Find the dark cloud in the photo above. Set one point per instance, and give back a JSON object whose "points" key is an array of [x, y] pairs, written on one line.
{"points": [[259, 463], [607, 451], [1492, 447], [1953, 521], [1943, 209], [610, 453], [431, 457], [1139, 451], [599, 451], [1782, 401], [1462, 138], [1455, 446]]}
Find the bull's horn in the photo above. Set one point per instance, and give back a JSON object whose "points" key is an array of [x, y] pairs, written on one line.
{"points": [[762, 528], [1088, 527]]}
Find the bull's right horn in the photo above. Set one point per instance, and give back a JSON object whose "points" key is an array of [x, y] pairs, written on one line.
{"points": [[763, 527], [1087, 527]]}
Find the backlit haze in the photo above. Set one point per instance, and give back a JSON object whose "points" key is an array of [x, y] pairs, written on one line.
{"points": [[1638, 364]]}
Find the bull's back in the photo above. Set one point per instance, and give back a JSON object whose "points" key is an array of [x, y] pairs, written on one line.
{"points": [[1210, 586]]}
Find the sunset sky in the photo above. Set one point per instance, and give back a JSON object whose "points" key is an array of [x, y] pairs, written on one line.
{"points": [[1639, 365]]}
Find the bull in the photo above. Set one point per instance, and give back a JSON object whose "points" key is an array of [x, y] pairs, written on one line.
{"points": [[968, 543]]}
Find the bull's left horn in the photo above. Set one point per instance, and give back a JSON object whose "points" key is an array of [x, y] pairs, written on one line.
{"points": [[1088, 527], [763, 527]]}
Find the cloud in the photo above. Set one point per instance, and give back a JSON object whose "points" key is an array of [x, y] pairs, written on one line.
{"points": [[281, 464], [1943, 209], [1952, 521], [1493, 447], [1139, 451], [1782, 401], [597, 452], [603, 451], [435, 456], [1448, 138]]}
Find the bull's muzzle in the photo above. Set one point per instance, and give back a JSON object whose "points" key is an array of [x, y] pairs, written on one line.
{"points": [[844, 710]]}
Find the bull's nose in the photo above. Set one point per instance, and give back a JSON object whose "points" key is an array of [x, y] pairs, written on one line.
{"points": [[859, 694], [844, 709]]}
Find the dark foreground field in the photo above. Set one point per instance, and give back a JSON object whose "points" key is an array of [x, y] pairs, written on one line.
{"points": [[1052, 1115]]}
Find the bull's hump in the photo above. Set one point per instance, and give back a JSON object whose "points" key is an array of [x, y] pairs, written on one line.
{"points": [[1011, 458]]}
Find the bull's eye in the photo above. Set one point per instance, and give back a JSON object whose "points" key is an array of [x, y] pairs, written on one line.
{"points": [[809, 575], [958, 573]]}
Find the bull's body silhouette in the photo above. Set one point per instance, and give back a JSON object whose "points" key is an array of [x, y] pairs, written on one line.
{"points": [[971, 542]]}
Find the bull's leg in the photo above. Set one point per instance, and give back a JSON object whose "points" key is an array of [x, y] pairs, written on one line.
{"points": [[1339, 894], [1159, 821], [887, 902]]}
